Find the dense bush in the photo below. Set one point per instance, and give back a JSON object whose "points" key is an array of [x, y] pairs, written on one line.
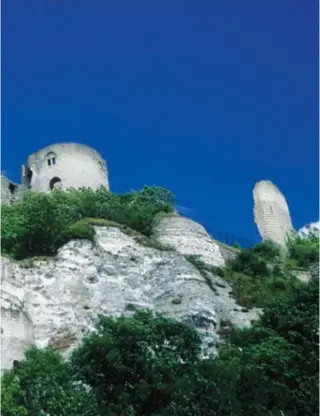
{"points": [[133, 363], [129, 366], [41, 222], [44, 385], [279, 356], [261, 273], [256, 261], [304, 249], [147, 365]]}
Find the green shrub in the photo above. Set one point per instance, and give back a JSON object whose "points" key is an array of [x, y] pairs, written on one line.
{"points": [[257, 291], [42, 222], [304, 250], [279, 356], [82, 229], [43, 384], [11, 395], [256, 261]]}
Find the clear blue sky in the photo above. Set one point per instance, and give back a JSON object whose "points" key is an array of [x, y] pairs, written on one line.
{"points": [[202, 97]]}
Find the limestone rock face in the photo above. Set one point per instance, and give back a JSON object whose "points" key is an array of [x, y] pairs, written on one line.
{"points": [[188, 238], [16, 325], [55, 301]]}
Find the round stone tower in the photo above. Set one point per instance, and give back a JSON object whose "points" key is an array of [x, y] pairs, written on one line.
{"points": [[65, 165]]}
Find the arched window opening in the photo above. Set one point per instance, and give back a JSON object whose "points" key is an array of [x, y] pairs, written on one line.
{"points": [[55, 183]]}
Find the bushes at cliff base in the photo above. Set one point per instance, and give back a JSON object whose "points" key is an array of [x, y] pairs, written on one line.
{"points": [[150, 365]]}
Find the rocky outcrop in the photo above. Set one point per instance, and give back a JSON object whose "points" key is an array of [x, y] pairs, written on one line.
{"points": [[16, 325], [55, 301], [188, 238]]}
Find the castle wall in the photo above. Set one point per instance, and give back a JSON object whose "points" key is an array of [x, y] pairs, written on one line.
{"points": [[71, 166], [9, 190], [271, 212]]}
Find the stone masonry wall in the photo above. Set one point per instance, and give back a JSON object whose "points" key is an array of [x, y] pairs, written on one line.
{"points": [[271, 212], [75, 166]]}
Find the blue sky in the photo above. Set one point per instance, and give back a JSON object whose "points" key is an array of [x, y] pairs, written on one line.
{"points": [[201, 97]]}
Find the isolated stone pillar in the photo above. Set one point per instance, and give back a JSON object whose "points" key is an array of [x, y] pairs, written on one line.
{"points": [[271, 212]]}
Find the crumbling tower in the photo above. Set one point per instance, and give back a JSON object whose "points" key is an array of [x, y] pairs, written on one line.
{"points": [[65, 165], [271, 212]]}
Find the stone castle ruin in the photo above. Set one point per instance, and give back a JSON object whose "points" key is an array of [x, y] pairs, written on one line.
{"points": [[271, 212], [54, 301], [62, 165], [71, 165]]}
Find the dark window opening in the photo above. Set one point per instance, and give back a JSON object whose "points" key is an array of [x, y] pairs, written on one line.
{"points": [[51, 159], [12, 188], [29, 174], [27, 177], [55, 183]]}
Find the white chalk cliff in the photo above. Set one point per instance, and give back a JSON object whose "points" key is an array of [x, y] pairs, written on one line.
{"points": [[55, 301]]}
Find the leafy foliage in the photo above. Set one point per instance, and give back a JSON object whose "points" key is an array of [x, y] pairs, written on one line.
{"points": [[258, 275], [254, 261], [141, 356], [44, 385], [11, 395], [40, 223], [279, 356], [304, 249]]}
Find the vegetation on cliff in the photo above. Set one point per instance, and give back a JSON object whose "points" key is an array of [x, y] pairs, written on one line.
{"points": [[259, 274], [151, 365], [41, 223]]}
